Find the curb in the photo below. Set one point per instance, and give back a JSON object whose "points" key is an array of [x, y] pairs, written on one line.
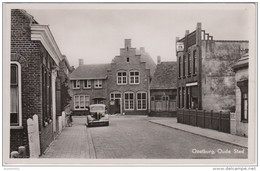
{"points": [[199, 134]]}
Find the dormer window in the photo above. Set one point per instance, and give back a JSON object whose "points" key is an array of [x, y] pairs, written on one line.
{"points": [[87, 83], [98, 83], [76, 84]]}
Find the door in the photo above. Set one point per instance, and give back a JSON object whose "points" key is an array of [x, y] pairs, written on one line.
{"points": [[115, 106]]}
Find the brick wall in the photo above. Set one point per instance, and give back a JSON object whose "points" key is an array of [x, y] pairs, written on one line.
{"points": [[92, 92], [29, 54], [120, 63]]}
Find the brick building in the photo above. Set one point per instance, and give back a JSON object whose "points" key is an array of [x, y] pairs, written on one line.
{"points": [[35, 61], [205, 76], [163, 89], [123, 85], [240, 125], [88, 86]]}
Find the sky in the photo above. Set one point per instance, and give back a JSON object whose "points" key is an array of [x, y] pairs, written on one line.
{"points": [[96, 33]]}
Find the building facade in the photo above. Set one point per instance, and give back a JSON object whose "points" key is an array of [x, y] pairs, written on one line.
{"points": [[123, 85], [206, 80], [35, 60], [240, 125], [163, 89], [89, 85]]}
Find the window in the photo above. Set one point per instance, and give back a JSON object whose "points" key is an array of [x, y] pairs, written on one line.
{"points": [[172, 97], [179, 67], [152, 98], [141, 101], [98, 101], [98, 83], [87, 83], [194, 62], [127, 59], [244, 107], [165, 98], [129, 101], [15, 95], [184, 63], [158, 97], [188, 98], [134, 77], [189, 64], [115, 95], [81, 102], [76, 84], [179, 98], [183, 97], [121, 77]]}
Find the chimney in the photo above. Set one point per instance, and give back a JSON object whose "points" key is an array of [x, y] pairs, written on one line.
{"points": [[81, 62], [187, 32], [128, 43], [158, 60], [198, 25]]}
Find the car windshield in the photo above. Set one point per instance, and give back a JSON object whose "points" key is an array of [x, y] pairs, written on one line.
{"points": [[95, 108]]}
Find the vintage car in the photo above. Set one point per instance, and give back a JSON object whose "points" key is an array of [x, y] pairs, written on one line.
{"points": [[97, 115]]}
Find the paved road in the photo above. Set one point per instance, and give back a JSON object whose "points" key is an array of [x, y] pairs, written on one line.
{"points": [[135, 137], [132, 137]]}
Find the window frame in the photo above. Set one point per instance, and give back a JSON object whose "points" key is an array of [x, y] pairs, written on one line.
{"points": [[100, 82], [243, 99], [134, 76], [141, 92], [88, 83], [121, 77], [19, 82], [194, 62], [77, 84], [131, 109], [80, 95]]}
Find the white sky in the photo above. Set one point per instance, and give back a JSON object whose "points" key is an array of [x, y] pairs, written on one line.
{"points": [[97, 34]]}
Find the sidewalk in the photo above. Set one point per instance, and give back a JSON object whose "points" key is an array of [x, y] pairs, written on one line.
{"points": [[213, 134], [73, 142]]}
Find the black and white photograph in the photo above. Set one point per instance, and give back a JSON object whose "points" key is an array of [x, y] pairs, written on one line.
{"points": [[129, 83]]}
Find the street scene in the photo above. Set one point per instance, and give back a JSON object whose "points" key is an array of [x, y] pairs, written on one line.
{"points": [[91, 81], [133, 137]]}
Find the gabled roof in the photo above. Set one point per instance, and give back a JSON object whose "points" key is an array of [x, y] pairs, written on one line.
{"points": [[165, 76], [149, 62], [92, 71]]}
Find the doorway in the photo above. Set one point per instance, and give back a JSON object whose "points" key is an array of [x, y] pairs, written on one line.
{"points": [[115, 103]]}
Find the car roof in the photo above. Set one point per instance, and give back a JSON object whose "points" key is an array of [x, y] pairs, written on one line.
{"points": [[97, 105]]}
